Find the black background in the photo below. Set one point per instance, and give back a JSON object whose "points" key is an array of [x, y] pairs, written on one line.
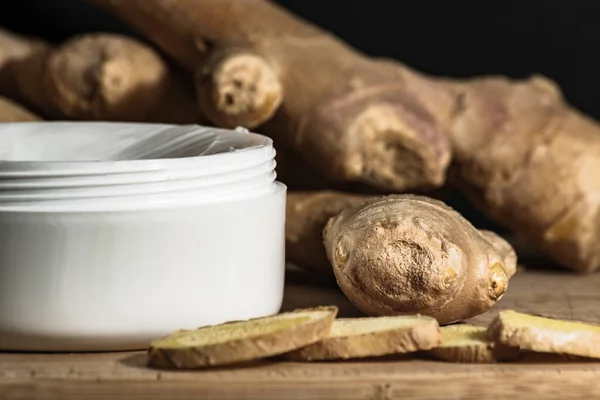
{"points": [[560, 39]]}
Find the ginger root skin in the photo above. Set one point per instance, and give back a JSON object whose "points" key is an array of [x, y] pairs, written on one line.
{"points": [[307, 214], [21, 71], [504, 249], [348, 116], [407, 254], [99, 76], [13, 112], [531, 162], [117, 78]]}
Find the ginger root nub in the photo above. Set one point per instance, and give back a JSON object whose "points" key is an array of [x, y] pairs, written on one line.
{"points": [[238, 88]]}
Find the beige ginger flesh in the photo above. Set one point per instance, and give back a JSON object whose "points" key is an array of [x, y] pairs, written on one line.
{"points": [[466, 343], [351, 338], [545, 335], [315, 334]]}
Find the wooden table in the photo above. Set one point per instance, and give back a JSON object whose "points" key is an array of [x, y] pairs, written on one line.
{"points": [[123, 375]]}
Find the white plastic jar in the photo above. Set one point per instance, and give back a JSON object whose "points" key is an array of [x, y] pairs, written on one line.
{"points": [[114, 234]]}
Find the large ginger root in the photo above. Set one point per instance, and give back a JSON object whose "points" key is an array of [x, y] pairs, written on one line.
{"points": [[521, 153], [95, 77], [346, 115], [13, 112], [307, 213], [406, 254]]}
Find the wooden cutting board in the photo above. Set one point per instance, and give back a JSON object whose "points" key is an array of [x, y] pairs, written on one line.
{"points": [[123, 375]]}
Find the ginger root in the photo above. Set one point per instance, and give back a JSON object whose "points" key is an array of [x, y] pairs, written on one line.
{"points": [[307, 213], [531, 162], [95, 77], [13, 112], [345, 114], [21, 62], [406, 254]]}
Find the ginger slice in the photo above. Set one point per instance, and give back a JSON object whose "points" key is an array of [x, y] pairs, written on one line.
{"points": [[470, 344], [546, 335], [370, 337], [240, 341]]}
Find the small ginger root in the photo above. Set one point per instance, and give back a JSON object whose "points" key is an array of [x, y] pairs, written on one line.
{"points": [[465, 343], [545, 335], [407, 254], [239, 341], [13, 112], [307, 213], [95, 77], [371, 337], [345, 114]]}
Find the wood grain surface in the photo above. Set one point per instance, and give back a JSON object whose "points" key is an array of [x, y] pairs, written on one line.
{"points": [[123, 375]]}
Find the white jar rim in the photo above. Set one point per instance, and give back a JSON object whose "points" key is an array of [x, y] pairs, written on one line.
{"points": [[47, 166], [68, 148]]}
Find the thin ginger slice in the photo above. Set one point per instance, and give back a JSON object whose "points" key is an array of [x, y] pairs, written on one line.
{"points": [[239, 341], [469, 344], [546, 335], [369, 337]]}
